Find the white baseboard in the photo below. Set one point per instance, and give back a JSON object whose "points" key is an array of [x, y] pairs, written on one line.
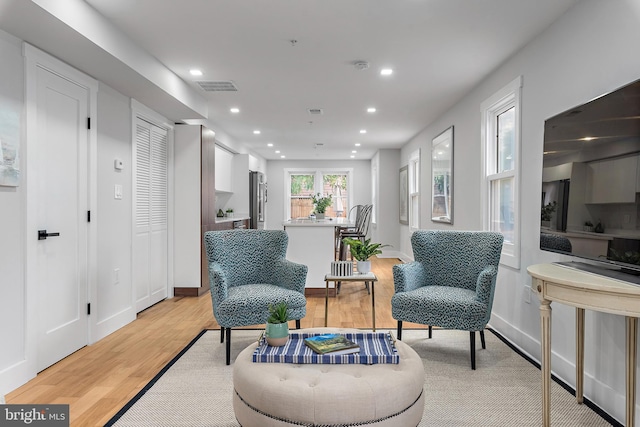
{"points": [[113, 323], [395, 254]]}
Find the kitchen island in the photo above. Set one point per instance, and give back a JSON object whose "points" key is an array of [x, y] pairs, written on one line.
{"points": [[312, 243]]}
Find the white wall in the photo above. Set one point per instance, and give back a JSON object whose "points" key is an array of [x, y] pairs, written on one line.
{"points": [[13, 369], [113, 303], [386, 229], [587, 52], [275, 184]]}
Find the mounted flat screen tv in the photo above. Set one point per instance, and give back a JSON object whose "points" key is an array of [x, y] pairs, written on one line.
{"points": [[590, 205]]}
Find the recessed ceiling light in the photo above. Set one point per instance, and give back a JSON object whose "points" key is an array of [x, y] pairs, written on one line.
{"points": [[282, 157], [363, 131], [386, 72], [353, 157], [256, 132], [269, 145], [195, 72], [234, 110], [357, 144], [277, 151], [371, 110], [354, 151]]}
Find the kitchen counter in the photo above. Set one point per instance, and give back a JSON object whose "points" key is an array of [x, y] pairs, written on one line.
{"points": [[327, 222], [312, 243], [227, 219], [579, 234]]}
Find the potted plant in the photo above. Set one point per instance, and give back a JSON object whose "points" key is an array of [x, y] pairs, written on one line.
{"points": [[277, 330], [547, 212], [229, 212], [320, 203], [588, 226], [362, 251]]}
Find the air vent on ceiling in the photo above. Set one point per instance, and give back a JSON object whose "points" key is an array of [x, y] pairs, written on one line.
{"points": [[315, 111], [218, 86]]}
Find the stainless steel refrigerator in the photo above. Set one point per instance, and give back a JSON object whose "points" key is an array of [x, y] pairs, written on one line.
{"points": [[257, 199]]}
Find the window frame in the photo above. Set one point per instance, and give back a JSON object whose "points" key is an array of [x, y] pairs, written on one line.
{"points": [[504, 99], [317, 183]]}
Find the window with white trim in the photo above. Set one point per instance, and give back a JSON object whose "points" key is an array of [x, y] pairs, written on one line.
{"points": [[302, 184], [414, 190], [500, 130]]}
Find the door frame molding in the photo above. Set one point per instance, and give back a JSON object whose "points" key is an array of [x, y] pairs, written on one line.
{"points": [[34, 59]]}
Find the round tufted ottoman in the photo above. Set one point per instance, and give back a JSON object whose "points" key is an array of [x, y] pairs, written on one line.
{"points": [[285, 394]]}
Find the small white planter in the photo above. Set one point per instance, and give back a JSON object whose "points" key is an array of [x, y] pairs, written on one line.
{"points": [[364, 267]]}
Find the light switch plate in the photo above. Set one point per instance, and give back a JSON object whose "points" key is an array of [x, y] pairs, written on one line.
{"points": [[117, 192]]}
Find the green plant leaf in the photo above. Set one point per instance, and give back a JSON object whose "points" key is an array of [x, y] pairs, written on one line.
{"points": [[362, 251], [278, 313]]}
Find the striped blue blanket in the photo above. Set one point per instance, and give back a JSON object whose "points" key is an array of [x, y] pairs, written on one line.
{"points": [[375, 347]]}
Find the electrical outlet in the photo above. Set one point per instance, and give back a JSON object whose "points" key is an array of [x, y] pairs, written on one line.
{"points": [[526, 294], [116, 276]]}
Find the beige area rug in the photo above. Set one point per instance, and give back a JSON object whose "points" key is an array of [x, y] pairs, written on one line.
{"points": [[504, 390]]}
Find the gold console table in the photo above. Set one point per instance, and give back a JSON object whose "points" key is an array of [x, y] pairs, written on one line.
{"points": [[582, 290]]}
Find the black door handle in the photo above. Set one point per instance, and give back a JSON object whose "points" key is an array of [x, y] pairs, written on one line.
{"points": [[42, 234]]}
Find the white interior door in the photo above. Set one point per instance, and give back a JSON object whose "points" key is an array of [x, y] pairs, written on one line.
{"points": [[62, 204], [150, 246]]}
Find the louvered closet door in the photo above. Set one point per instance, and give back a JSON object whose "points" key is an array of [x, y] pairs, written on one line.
{"points": [[150, 247]]}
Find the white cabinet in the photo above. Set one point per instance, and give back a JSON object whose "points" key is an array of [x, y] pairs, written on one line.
{"points": [[224, 162], [612, 181]]}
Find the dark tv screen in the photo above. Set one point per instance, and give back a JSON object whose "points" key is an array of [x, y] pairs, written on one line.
{"points": [[591, 181]]}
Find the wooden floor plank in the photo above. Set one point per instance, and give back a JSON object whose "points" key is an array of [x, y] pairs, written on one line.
{"points": [[98, 380]]}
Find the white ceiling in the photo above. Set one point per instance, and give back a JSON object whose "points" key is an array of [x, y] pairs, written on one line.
{"points": [[439, 50]]}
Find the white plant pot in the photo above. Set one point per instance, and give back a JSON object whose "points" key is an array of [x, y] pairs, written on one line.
{"points": [[364, 267]]}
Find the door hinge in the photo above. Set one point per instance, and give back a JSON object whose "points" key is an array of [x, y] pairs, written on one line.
{"points": [[88, 122], [88, 216], [88, 308]]}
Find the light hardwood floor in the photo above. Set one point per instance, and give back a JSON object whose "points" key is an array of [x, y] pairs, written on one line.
{"points": [[99, 379]]}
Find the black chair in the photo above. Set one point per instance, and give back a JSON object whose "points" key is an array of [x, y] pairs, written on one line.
{"points": [[360, 231]]}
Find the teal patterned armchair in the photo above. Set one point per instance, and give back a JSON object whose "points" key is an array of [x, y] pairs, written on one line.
{"points": [[248, 272], [450, 284]]}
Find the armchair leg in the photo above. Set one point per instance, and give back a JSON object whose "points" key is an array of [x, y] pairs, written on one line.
{"points": [[473, 349], [228, 331], [484, 346], [430, 331], [221, 334], [297, 323], [399, 329]]}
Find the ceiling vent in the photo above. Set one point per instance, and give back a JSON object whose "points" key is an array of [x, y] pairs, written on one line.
{"points": [[315, 111], [218, 86], [318, 146]]}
